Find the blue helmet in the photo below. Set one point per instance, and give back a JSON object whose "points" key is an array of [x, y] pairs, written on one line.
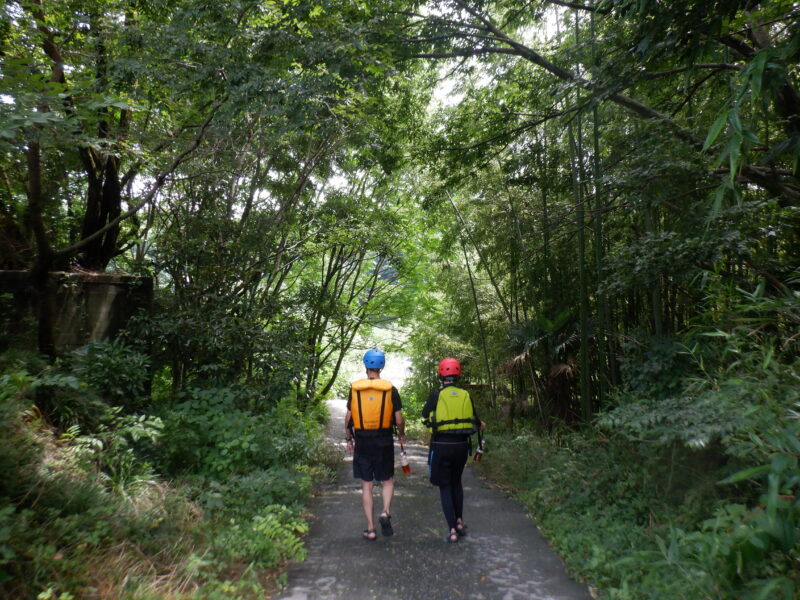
{"points": [[374, 359]]}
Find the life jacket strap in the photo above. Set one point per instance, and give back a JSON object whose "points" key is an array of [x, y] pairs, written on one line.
{"points": [[436, 424], [383, 409]]}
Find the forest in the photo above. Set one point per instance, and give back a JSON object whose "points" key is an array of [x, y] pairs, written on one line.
{"points": [[593, 204]]}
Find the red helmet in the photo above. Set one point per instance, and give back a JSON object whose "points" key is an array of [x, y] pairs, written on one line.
{"points": [[449, 367]]}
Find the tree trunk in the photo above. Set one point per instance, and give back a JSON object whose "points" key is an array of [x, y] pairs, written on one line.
{"points": [[604, 326], [480, 321], [103, 205], [578, 176], [40, 280], [586, 401]]}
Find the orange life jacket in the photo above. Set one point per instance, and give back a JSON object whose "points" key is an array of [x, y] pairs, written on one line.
{"points": [[371, 404]]}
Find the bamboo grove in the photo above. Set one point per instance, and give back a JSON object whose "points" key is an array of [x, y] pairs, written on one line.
{"points": [[627, 178]]}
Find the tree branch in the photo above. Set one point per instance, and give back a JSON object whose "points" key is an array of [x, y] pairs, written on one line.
{"points": [[631, 104], [713, 66], [738, 45], [577, 6], [48, 43], [693, 91], [159, 181]]}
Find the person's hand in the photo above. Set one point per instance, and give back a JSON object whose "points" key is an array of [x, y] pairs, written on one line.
{"points": [[403, 439], [483, 425], [350, 445]]}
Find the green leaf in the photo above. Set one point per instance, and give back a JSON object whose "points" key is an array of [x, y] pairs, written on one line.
{"points": [[716, 209], [716, 334], [735, 122], [716, 128], [777, 587], [734, 154], [767, 359], [746, 474], [780, 462], [757, 72]]}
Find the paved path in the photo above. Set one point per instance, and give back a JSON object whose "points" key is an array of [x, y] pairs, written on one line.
{"points": [[504, 556]]}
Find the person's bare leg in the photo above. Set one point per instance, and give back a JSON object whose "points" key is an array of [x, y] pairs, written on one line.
{"points": [[387, 492], [367, 503]]}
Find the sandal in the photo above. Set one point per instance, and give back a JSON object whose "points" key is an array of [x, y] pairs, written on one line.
{"points": [[369, 535], [461, 528], [452, 537], [386, 524]]}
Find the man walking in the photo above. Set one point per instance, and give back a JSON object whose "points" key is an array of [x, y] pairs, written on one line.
{"points": [[373, 406]]}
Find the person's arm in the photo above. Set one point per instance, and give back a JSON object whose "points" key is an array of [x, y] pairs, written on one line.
{"points": [[399, 421], [430, 406], [348, 425], [482, 424], [401, 426]]}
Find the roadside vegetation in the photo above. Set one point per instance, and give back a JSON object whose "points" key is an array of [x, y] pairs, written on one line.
{"points": [[692, 495], [198, 496]]}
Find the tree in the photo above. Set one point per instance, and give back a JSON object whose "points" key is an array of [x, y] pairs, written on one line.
{"points": [[671, 213], [106, 103]]}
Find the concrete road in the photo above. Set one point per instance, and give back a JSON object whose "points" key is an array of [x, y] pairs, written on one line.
{"points": [[504, 556]]}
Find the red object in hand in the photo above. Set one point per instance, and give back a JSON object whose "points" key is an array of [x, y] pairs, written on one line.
{"points": [[404, 461], [479, 454]]}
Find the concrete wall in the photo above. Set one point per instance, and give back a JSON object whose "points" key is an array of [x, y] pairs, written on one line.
{"points": [[87, 307]]}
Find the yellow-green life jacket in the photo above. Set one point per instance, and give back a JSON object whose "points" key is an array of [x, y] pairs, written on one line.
{"points": [[454, 412]]}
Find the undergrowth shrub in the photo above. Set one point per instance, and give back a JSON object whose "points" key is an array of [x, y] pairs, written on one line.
{"points": [[82, 505], [748, 544], [752, 551], [115, 370], [245, 494], [602, 501], [688, 486], [20, 451], [209, 432], [114, 451], [49, 390], [655, 367], [68, 519], [266, 539]]}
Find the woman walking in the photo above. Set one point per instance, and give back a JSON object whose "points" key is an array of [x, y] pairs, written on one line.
{"points": [[451, 416]]}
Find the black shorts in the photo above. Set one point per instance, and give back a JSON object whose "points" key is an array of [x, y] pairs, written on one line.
{"points": [[373, 458], [447, 461]]}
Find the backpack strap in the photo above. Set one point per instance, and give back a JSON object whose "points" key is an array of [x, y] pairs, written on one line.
{"points": [[360, 411], [383, 409], [436, 424]]}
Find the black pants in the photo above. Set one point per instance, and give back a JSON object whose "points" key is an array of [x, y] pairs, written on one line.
{"points": [[447, 460]]}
